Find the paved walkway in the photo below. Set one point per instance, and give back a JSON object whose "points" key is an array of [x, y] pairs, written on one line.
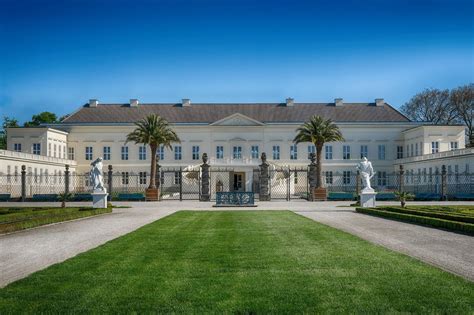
{"points": [[25, 252]]}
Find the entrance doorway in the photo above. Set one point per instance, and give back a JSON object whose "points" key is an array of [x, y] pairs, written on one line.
{"points": [[239, 181]]}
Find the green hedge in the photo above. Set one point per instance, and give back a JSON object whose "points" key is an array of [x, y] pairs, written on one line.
{"points": [[432, 214], [29, 217], [467, 228]]}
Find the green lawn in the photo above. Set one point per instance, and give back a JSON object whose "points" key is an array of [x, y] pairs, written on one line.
{"points": [[20, 218], [239, 262]]}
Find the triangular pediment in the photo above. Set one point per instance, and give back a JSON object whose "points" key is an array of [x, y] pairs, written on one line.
{"points": [[237, 119]]}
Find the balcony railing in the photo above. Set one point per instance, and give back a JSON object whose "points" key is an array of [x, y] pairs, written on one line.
{"points": [[431, 156], [34, 157]]}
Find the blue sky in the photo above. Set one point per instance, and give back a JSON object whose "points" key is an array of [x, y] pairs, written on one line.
{"points": [[57, 55]]}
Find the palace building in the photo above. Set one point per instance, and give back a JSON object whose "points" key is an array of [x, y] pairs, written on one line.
{"points": [[235, 135]]}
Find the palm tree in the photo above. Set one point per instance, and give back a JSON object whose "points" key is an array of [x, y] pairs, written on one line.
{"points": [[154, 131], [403, 196], [318, 131]]}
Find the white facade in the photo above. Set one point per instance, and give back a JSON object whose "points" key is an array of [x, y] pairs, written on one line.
{"points": [[237, 142]]}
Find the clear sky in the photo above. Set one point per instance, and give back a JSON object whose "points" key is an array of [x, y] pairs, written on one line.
{"points": [[57, 55]]}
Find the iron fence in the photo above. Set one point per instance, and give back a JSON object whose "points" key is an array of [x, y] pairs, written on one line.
{"points": [[288, 183], [186, 184], [220, 180]]}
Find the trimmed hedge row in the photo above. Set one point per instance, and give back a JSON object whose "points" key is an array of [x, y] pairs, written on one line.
{"points": [[432, 214], [467, 228]]}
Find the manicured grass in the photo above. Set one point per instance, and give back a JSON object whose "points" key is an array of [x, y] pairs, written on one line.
{"points": [[239, 262], [19, 218]]}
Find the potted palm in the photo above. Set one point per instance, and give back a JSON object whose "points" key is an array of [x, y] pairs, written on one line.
{"points": [[153, 131], [318, 131]]}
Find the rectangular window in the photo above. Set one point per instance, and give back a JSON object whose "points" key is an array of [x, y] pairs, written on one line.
{"points": [[177, 152], [329, 178], [434, 147], [364, 151], [346, 152], [346, 177], [160, 153], [37, 148], [124, 153], [17, 147], [399, 152], [453, 145], [237, 152], [416, 149], [421, 148], [177, 178], [381, 151], [64, 152], [50, 151], [254, 151], [89, 153], [219, 152], [142, 153], [408, 150], [106, 153], [411, 149], [294, 152], [195, 152], [55, 150], [328, 152], [125, 178], [142, 178], [311, 149], [276, 152], [382, 178], [70, 153]]}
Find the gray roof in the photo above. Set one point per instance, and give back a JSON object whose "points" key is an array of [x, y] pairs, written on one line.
{"points": [[264, 112]]}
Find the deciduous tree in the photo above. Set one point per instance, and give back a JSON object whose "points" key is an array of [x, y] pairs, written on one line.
{"points": [[431, 105], [462, 99]]}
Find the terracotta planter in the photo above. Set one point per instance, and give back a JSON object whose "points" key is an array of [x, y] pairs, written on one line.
{"points": [[320, 194], [152, 194]]}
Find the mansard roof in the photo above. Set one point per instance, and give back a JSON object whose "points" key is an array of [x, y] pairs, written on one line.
{"points": [[208, 113]]}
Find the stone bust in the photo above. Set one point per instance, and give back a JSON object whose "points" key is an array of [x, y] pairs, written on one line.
{"points": [[264, 158], [204, 158]]}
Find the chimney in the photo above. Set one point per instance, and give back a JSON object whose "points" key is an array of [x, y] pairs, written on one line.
{"points": [[133, 102], [290, 102], [379, 102], [185, 102], [93, 103], [338, 102]]}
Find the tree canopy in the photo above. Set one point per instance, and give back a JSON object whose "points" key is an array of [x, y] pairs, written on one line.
{"points": [[42, 118]]}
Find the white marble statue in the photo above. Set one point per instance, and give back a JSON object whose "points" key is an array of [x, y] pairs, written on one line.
{"points": [[366, 172], [96, 176]]}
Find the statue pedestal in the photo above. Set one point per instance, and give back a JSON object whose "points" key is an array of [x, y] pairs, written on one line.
{"points": [[99, 199], [367, 198]]}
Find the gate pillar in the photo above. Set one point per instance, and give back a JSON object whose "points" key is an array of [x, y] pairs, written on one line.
{"points": [[264, 194], [205, 191]]}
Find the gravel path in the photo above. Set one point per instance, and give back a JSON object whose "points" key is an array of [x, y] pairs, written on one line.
{"points": [[447, 250]]}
